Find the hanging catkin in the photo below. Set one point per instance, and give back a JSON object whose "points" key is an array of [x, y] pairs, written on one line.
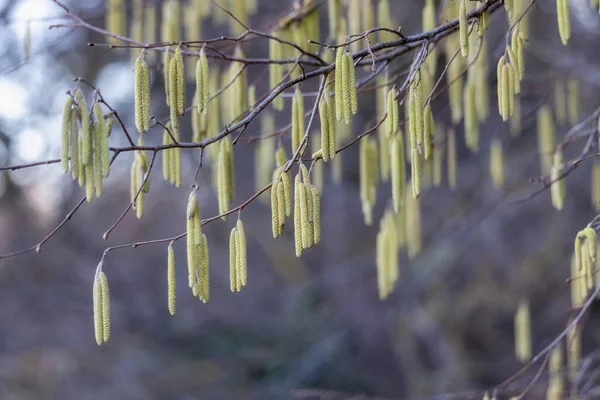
{"points": [[497, 163], [523, 332], [98, 315], [233, 260], [298, 126], [556, 383], [546, 138], [428, 131], [393, 113], [176, 88], [142, 95], [65, 134], [86, 133], [241, 254], [564, 25], [171, 279], [276, 70], [398, 171], [464, 29], [298, 190], [202, 85], [558, 188]]}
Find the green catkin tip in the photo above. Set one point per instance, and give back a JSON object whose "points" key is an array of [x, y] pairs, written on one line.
{"points": [[65, 134], [464, 29], [98, 315], [171, 279], [242, 254], [105, 306], [142, 95], [233, 260], [86, 129]]}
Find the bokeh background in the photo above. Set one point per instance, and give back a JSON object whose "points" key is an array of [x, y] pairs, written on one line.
{"points": [[311, 326]]}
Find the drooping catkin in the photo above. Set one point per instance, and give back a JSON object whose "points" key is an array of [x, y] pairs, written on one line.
{"points": [[334, 12], [176, 88], [74, 145], [368, 177], [241, 254], [452, 158], [86, 129], [298, 190], [497, 163], [413, 225], [416, 114], [398, 171], [416, 170], [556, 383], [233, 261], [204, 269], [98, 315], [298, 126], [325, 127], [115, 19], [275, 221], [142, 95], [564, 24], [428, 131], [98, 130], [464, 29], [226, 179], [316, 217], [471, 121], [167, 56], [523, 332], [558, 189], [65, 134], [339, 83], [276, 70], [387, 255], [351, 83], [171, 279], [574, 100], [393, 114], [596, 186], [264, 159], [202, 85], [546, 138], [194, 232]]}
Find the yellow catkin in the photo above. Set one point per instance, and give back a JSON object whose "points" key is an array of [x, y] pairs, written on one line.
{"points": [[428, 131], [339, 83], [393, 114], [577, 297], [204, 269], [298, 126], [564, 24], [324, 117], [351, 83], [281, 204], [556, 384], [241, 254], [171, 279], [398, 171], [74, 145], [233, 260], [516, 80], [332, 126], [98, 315], [142, 95], [471, 121], [193, 228], [413, 225], [546, 138], [98, 130], [334, 12], [497, 163], [316, 207], [287, 193], [452, 159], [276, 71], [86, 129], [464, 29], [573, 101], [367, 185], [387, 255], [65, 134], [275, 222], [596, 186], [523, 332], [506, 92], [304, 216], [558, 189], [105, 306], [574, 351], [415, 166], [115, 19], [202, 85], [418, 102], [298, 216]]}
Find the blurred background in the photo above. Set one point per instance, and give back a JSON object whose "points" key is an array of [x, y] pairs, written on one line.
{"points": [[310, 327]]}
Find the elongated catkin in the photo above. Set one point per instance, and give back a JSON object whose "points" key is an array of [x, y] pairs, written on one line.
{"points": [[141, 97], [202, 85], [233, 260], [86, 129], [65, 134], [464, 29], [171, 279], [241, 254], [564, 24]]}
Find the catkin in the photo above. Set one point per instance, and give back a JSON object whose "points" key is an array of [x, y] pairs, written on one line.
{"points": [[65, 134], [413, 225], [298, 216], [141, 98], [298, 126], [558, 188], [398, 171], [202, 85], [452, 159], [596, 187], [497, 163], [556, 383], [86, 130], [275, 223], [471, 121], [564, 25], [428, 131], [523, 332], [393, 113], [98, 315], [351, 83], [546, 138], [464, 29], [276, 70], [324, 117], [74, 145], [241, 254], [176, 88], [233, 260], [316, 208], [171, 279]]}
